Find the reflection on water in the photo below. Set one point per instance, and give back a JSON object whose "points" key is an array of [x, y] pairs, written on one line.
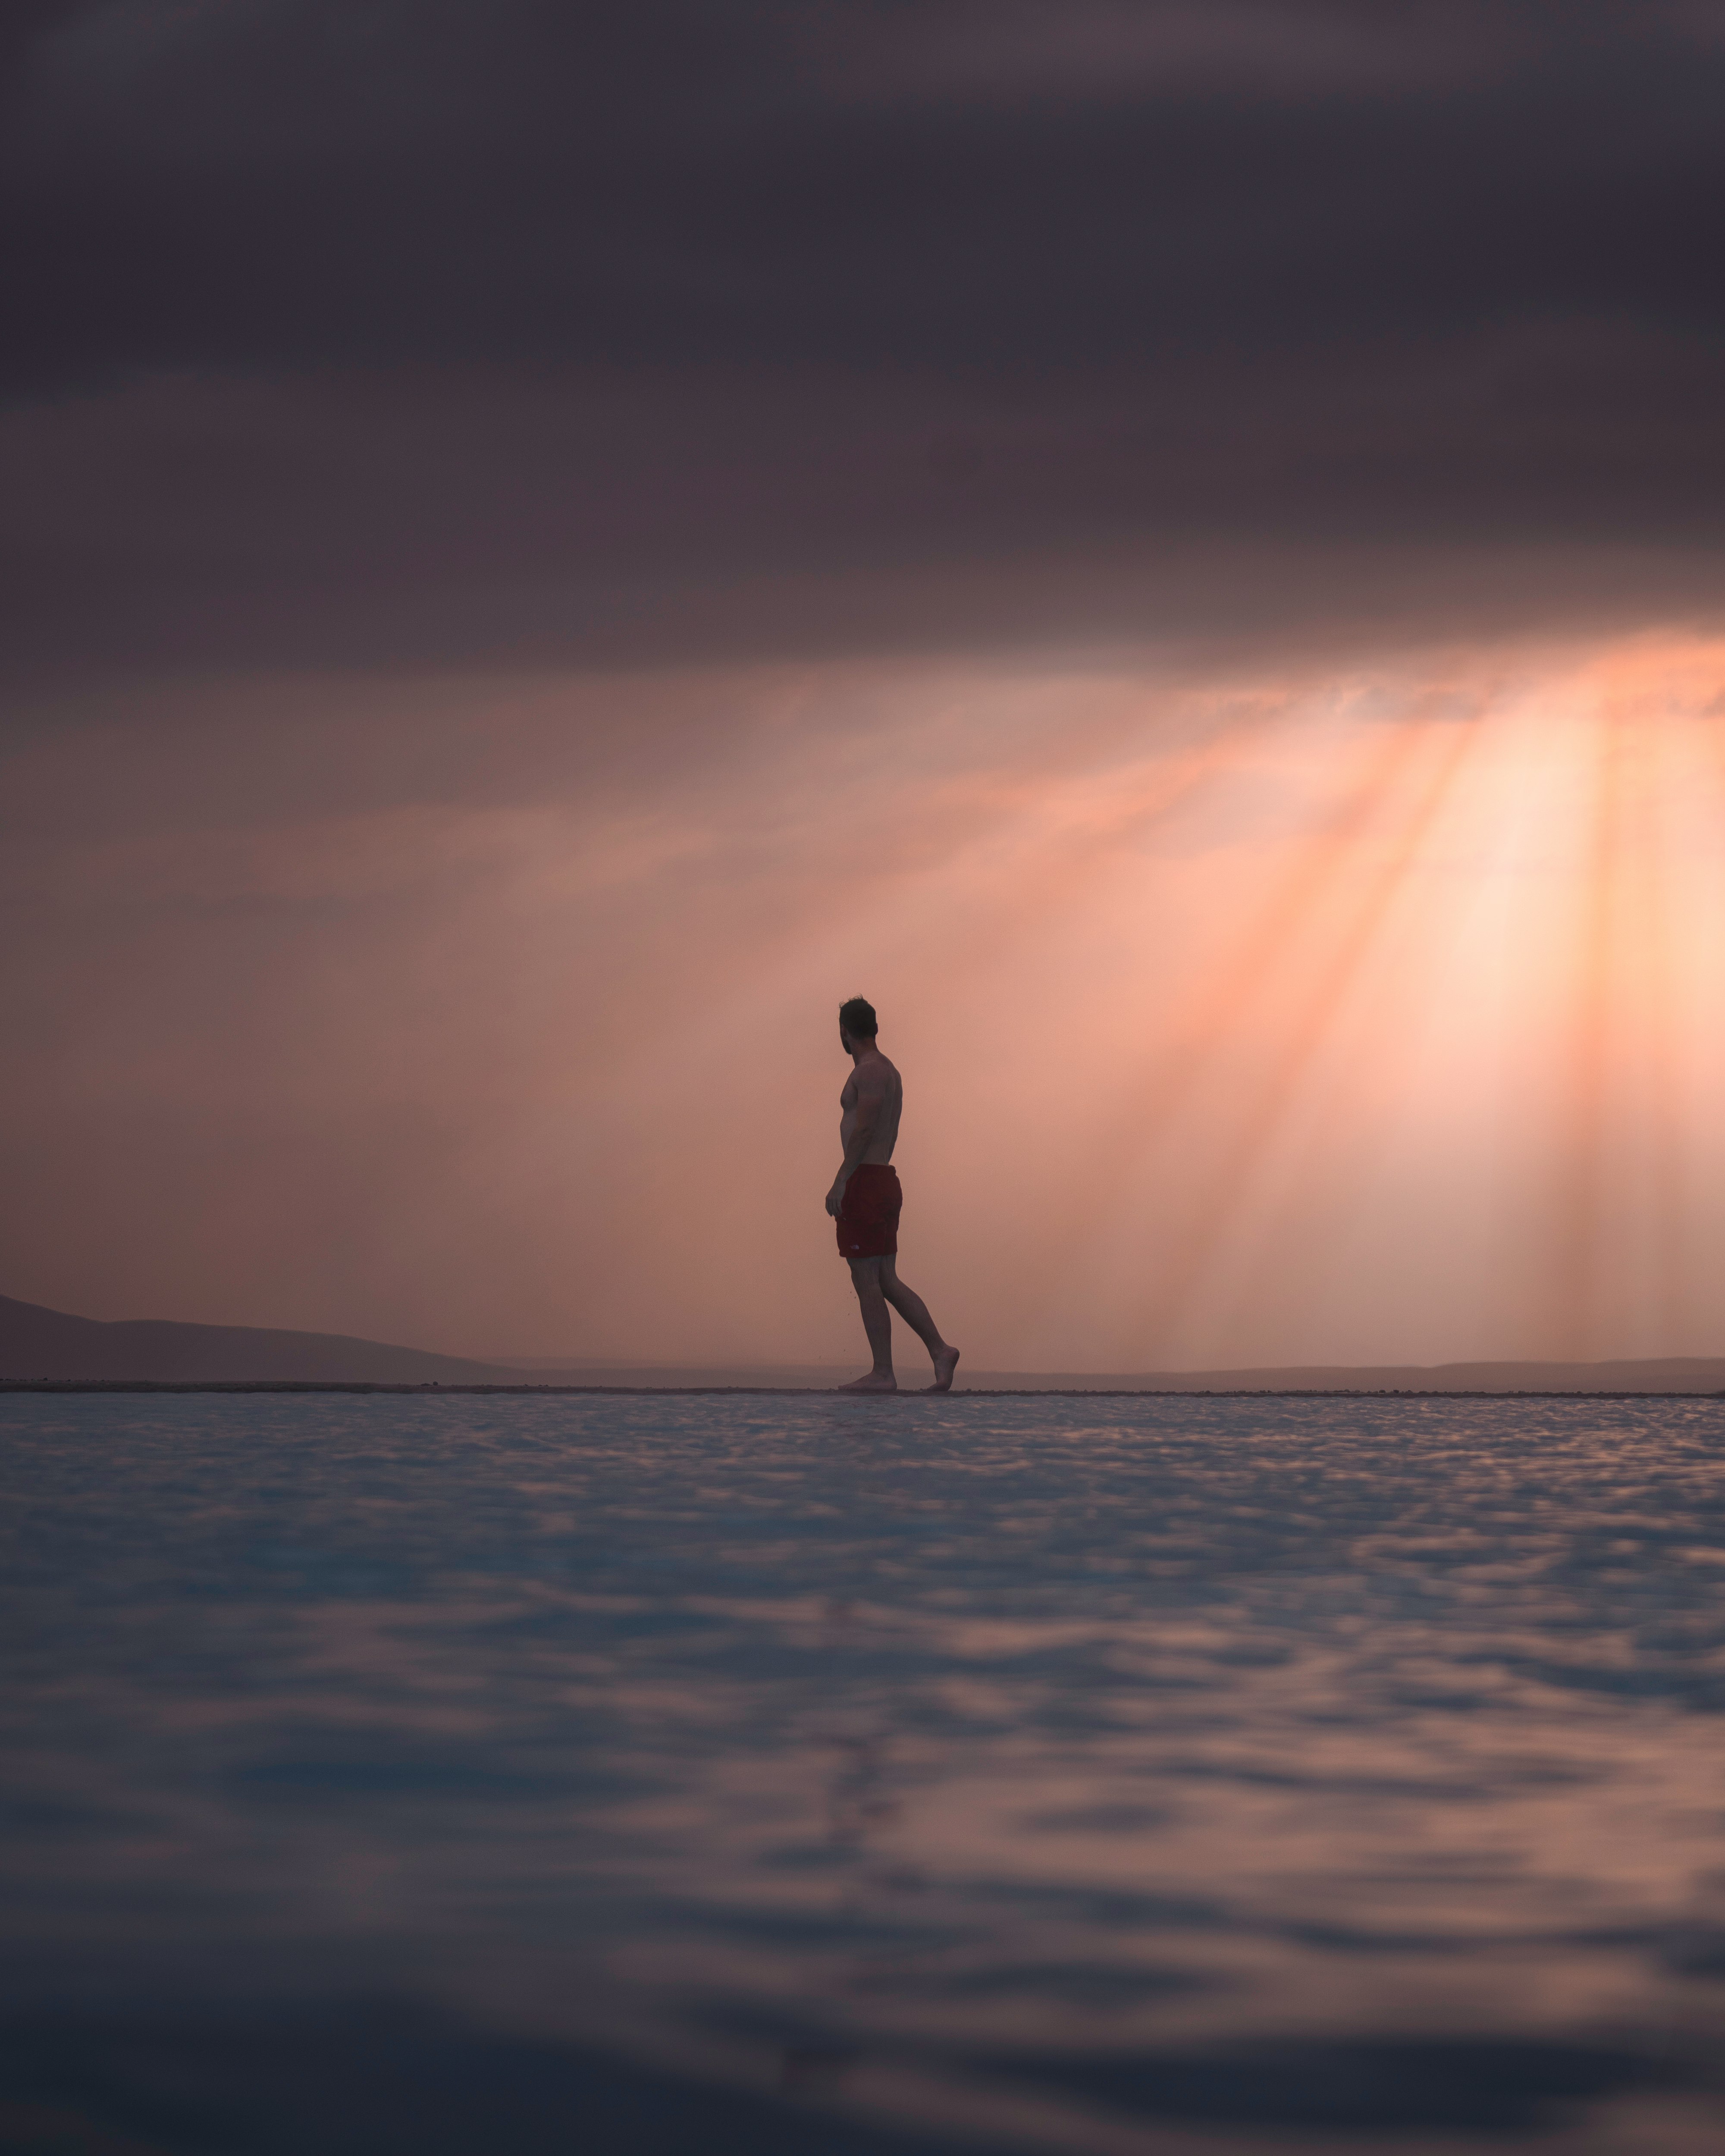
{"points": [[658, 1773]]}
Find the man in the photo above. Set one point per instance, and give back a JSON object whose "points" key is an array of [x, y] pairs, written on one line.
{"points": [[865, 1201]]}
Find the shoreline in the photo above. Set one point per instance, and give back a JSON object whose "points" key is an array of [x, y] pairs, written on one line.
{"points": [[833, 1392]]}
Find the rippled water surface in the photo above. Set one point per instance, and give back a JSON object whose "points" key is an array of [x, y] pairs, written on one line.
{"points": [[396, 1773]]}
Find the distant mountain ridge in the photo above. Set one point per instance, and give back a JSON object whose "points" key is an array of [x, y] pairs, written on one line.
{"points": [[38, 1343]]}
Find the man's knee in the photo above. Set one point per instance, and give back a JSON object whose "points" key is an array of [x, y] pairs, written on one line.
{"points": [[865, 1276]]}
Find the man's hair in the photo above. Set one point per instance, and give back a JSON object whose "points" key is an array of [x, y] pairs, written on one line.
{"points": [[858, 1018]]}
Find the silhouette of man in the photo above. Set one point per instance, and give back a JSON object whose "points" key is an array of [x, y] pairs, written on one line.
{"points": [[865, 1201]]}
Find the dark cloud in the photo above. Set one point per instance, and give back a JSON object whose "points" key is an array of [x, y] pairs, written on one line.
{"points": [[404, 331]]}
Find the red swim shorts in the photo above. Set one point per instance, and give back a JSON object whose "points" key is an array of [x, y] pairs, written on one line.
{"points": [[868, 1212]]}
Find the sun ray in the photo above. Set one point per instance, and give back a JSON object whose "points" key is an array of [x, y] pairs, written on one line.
{"points": [[1571, 1271], [1202, 1030], [1074, 842], [1657, 1313], [1215, 1209]]}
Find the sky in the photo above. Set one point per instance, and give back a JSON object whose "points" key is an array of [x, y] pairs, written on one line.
{"points": [[1177, 548]]}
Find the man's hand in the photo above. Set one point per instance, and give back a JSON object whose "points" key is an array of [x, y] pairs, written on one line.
{"points": [[835, 1196]]}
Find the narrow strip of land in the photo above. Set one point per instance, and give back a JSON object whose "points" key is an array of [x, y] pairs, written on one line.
{"points": [[829, 1392]]}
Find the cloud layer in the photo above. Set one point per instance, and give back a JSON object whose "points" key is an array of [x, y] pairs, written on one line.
{"points": [[409, 333]]}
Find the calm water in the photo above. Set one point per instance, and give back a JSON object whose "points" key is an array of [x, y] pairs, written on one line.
{"points": [[400, 1773]]}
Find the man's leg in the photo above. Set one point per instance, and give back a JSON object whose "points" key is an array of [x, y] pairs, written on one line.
{"points": [[914, 1310], [877, 1323]]}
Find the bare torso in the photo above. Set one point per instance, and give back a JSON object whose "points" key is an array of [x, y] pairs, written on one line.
{"points": [[869, 1112], [874, 1083]]}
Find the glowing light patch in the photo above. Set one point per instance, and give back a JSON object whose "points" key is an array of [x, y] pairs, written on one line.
{"points": [[1362, 1014]]}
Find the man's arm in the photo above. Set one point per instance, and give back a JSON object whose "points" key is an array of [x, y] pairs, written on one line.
{"points": [[871, 1097]]}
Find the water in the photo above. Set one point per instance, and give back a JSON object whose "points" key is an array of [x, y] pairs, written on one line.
{"points": [[776, 1774]]}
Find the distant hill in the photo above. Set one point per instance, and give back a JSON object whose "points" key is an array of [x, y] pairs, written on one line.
{"points": [[36, 1344]]}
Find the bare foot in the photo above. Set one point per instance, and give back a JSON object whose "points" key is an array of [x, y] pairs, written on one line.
{"points": [[877, 1381], [944, 1365]]}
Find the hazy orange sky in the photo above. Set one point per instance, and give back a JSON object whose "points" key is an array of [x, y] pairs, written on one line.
{"points": [[1176, 548], [1297, 1013]]}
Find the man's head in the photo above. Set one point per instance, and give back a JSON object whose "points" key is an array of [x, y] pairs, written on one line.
{"points": [[857, 1024]]}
